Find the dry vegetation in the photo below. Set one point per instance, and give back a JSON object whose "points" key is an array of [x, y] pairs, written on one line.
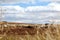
{"points": [[29, 32]]}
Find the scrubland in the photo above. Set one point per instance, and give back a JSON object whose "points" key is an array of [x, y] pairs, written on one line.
{"points": [[41, 32]]}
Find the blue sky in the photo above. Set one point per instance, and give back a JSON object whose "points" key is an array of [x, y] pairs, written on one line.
{"points": [[30, 11], [28, 4]]}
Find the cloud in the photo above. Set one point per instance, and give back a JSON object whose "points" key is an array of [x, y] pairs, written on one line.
{"points": [[16, 1], [25, 1], [49, 0], [49, 7], [32, 14], [12, 9]]}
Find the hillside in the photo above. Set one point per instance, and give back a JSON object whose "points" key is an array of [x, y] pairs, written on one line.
{"points": [[26, 31]]}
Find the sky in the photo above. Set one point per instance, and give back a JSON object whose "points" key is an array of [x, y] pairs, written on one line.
{"points": [[30, 11]]}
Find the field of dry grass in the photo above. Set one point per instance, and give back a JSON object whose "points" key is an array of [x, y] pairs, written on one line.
{"points": [[41, 32]]}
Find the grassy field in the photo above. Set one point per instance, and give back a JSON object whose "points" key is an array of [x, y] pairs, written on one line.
{"points": [[43, 32]]}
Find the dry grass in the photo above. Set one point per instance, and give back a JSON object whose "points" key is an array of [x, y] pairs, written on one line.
{"points": [[52, 32]]}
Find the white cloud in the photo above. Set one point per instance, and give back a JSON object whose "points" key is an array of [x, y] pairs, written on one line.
{"points": [[31, 14], [25, 1], [12, 9], [16, 1], [51, 6], [49, 0]]}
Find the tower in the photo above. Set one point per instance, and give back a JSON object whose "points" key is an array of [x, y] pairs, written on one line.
{"points": [[1, 13]]}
